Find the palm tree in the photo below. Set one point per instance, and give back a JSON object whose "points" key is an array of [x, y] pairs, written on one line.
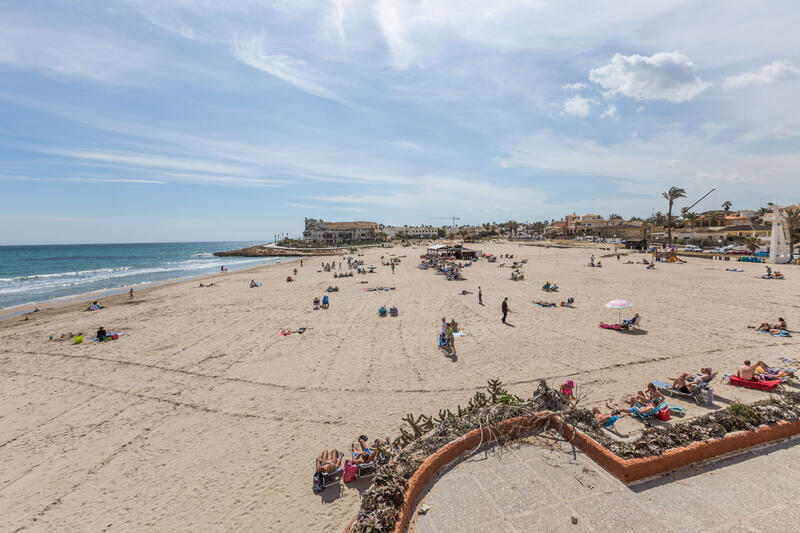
{"points": [[793, 225], [692, 217], [751, 243], [726, 206], [671, 195]]}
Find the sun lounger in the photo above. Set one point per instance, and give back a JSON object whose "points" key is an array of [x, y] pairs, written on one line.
{"points": [[367, 469], [332, 478], [757, 384], [643, 413], [701, 394]]}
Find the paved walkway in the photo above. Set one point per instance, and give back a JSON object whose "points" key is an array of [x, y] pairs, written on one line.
{"points": [[539, 485]]}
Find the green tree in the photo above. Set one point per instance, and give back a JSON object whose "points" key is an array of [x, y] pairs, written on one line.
{"points": [[726, 206], [670, 196], [645, 230], [751, 243], [793, 225]]}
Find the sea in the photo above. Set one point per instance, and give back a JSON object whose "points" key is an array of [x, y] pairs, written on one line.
{"points": [[43, 273]]}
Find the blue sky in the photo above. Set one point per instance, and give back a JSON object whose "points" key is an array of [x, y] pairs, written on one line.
{"points": [[166, 120]]}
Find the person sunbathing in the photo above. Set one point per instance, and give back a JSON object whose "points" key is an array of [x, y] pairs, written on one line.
{"points": [[651, 394], [762, 369], [705, 376], [465, 292], [329, 462], [781, 325], [746, 371], [253, 283], [682, 383], [364, 454], [628, 322], [545, 303], [607, 419]]}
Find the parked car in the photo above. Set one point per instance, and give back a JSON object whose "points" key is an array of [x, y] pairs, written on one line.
{"points": [[692, 248]]}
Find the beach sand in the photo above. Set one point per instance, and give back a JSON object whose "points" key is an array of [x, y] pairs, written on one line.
{"points": [[202, 417]]}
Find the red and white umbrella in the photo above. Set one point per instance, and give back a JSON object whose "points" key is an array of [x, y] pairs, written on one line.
{"points": [[619, 305]]}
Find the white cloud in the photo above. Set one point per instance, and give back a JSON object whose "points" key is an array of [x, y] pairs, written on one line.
{"points": [[426, 193], [780, 132], [611, 112], [408, 145], [92, 180], [150, 161], [774, 72], [97, 54], [253, 51], [640, 161], [665, 76], [578, 106], [574, 86]]}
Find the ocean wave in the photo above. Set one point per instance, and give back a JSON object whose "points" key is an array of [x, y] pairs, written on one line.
{"points": [[43, 283]]}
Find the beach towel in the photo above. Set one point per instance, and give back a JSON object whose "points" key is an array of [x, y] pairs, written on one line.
{"points": [[765, 385], [616, 327], [110, 336], [459, 334], [540, 305], [781, 333]]}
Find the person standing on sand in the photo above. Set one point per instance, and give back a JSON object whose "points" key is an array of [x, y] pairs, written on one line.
{"points": [[301, 262], [392, 268], [480, 296], [130, 294], [505, 309]]}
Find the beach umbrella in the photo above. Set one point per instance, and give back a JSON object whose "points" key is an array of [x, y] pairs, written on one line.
{"points": [[619, 305]]}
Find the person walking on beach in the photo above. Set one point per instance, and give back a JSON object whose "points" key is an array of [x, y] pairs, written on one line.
{"points": [[130, 294], [505, 309], [392, 268], [301, 262], [480, 296]]}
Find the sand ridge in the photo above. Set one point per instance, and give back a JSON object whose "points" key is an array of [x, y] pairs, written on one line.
{"points": [[203, 417]]}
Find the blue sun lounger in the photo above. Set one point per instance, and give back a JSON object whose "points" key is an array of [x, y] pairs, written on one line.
{"points": [[702, 394]]}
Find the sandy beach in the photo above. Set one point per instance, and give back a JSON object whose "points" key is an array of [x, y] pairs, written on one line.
{"points": [[203, 417]]}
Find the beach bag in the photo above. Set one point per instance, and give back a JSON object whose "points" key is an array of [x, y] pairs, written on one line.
{"points": [[78, 339], [350, 471], [318, 486], [115, 336], [663, 414]]}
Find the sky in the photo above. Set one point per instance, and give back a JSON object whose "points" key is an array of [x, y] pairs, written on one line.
{"points": [[195, 120]]}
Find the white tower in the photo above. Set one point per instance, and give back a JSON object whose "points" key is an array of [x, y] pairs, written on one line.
{"points": [[779, 243]]}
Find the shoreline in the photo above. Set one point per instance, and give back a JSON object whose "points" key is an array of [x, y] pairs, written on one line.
{"points": [[62, 302]]}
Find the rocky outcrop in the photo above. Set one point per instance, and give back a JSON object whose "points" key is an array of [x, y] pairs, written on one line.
{"points": [[269, 251]]}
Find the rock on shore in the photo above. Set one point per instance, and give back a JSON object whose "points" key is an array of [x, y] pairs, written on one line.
{"points": [[270, 251]]}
